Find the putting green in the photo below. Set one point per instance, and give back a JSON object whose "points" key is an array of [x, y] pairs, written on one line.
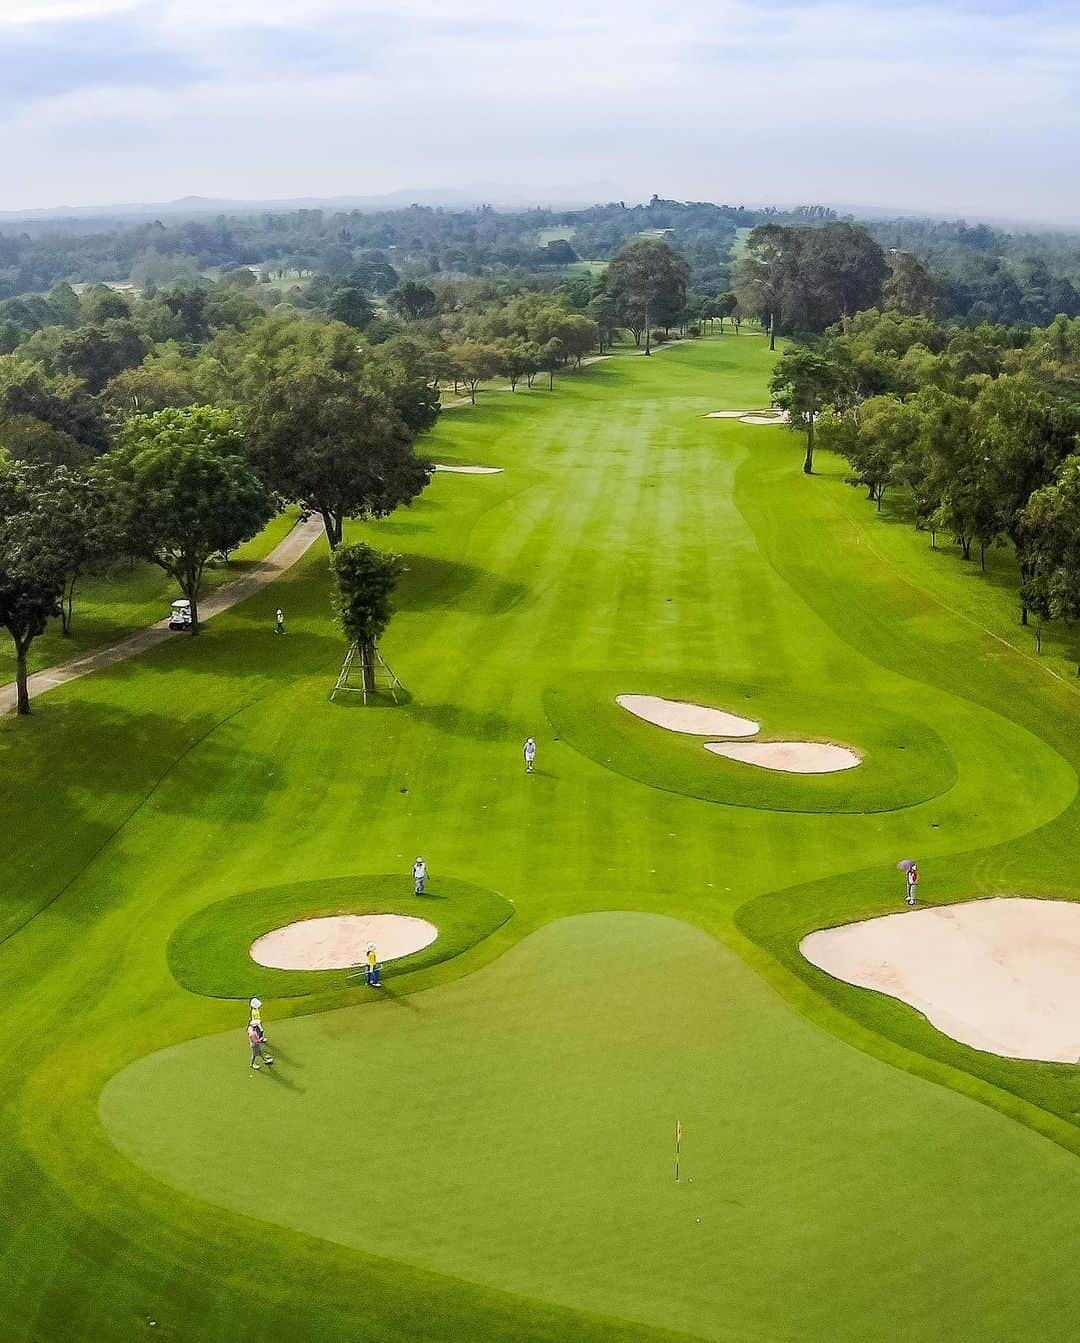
{"points": [[516, 1128]]}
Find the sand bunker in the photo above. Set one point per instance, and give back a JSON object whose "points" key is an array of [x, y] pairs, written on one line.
{"points": [[728, 414], [1001, 975], [471, 470], [791, 757], [694, 719], [765, 417], [339, 942]]}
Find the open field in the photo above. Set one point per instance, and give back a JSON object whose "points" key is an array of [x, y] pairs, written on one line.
{"points": [[485, 1152], [738, 247]]}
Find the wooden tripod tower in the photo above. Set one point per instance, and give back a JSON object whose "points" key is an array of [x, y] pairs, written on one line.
{"points": [[355, 669]]}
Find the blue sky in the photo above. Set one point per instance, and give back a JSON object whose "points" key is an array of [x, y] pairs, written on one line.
{"points": [[959, 106]]}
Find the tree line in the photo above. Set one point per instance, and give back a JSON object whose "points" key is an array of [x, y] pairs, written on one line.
{"points": [[977, 429]]}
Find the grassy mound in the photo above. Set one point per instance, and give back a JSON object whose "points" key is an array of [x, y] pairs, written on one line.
{"points": [[210, 952], [904, 761]]}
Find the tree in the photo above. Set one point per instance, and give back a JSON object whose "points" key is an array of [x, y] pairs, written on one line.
{"points": [[413, 301], [405, 370], [1051, 525], [335, 447], [723, 305], [647, 281], [73, 521], [184, 490], [910, 288], [1023, 436], [877, 439], [31, 578], [351, 306], [476, 363], [97, 353], [364, 580], [804, 382], [520, 361]]}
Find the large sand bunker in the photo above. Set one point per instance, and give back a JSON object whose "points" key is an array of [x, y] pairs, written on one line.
{"points": [[338, 942], [470, 470], [728, 414], [1001, 975], [696, 720], [765, 417], [790, 757]]}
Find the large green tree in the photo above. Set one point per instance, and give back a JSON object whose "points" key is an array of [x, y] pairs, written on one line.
{"points": [[31, 573], [804, 382], [647, 281], [183, 490], [364, 580], [335, 447]]}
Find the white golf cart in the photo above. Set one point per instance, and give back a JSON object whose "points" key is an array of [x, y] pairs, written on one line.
{"points": [[180, 615]]}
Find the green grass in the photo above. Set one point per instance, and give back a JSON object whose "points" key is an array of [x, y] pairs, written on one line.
{"points": [[134, 595], [904, 761], [858, 1179], [210, 952], [516, 1129], [560, 233]]}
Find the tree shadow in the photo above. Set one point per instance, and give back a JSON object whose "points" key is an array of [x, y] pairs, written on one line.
{"points": [[431, 583], [456, 720]]}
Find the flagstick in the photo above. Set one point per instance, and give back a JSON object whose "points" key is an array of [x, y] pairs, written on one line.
{"points": [[678, 1146]]}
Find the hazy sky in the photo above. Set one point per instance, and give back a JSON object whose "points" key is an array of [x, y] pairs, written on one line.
{"points": [[950, 106]]}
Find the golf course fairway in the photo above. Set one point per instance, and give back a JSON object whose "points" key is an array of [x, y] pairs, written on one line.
{"points": [[484, 1150]]}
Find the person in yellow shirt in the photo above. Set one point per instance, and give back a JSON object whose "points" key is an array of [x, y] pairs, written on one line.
{"points": [[373, 975]]}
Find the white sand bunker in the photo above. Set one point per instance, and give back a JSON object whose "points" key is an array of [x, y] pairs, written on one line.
{"points": [[1001, 975], [338, 942], [790, 757], [694, 719], [765, 417], [470, 470], [728, 414]]}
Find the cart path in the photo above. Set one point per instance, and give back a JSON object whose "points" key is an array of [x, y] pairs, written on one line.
{"points": [[284, 555]]}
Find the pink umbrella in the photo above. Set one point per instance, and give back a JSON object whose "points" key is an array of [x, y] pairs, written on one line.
{"points": [[905, 864]]}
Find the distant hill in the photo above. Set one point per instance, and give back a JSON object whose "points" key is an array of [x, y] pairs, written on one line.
{"points": [[188, 207]]}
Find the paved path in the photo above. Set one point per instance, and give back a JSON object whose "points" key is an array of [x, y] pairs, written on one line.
{"points": [[284, 555]]}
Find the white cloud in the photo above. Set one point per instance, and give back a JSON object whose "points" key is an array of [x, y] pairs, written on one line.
{"points": [[927, 105]]}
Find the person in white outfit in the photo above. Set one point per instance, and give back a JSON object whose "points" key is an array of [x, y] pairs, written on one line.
{"points": [[529, 751], [419, 874]]}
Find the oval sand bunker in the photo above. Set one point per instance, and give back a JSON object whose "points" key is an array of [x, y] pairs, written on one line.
{"points": [[471, 470], [694, 719], [1001, 975], [790, 757], [339, 942]]}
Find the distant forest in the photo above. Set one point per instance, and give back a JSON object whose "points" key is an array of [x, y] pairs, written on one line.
{"points": [[981, 274]]}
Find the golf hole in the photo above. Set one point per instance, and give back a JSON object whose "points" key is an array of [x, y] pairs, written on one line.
{"points": [[340, 941]]}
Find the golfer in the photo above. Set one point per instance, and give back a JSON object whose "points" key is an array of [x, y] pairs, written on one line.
{"points": [[255, 1040], [419, 875], [373, 974], [912, 883], [529, 752], [279, 621], [255, 1008]]}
